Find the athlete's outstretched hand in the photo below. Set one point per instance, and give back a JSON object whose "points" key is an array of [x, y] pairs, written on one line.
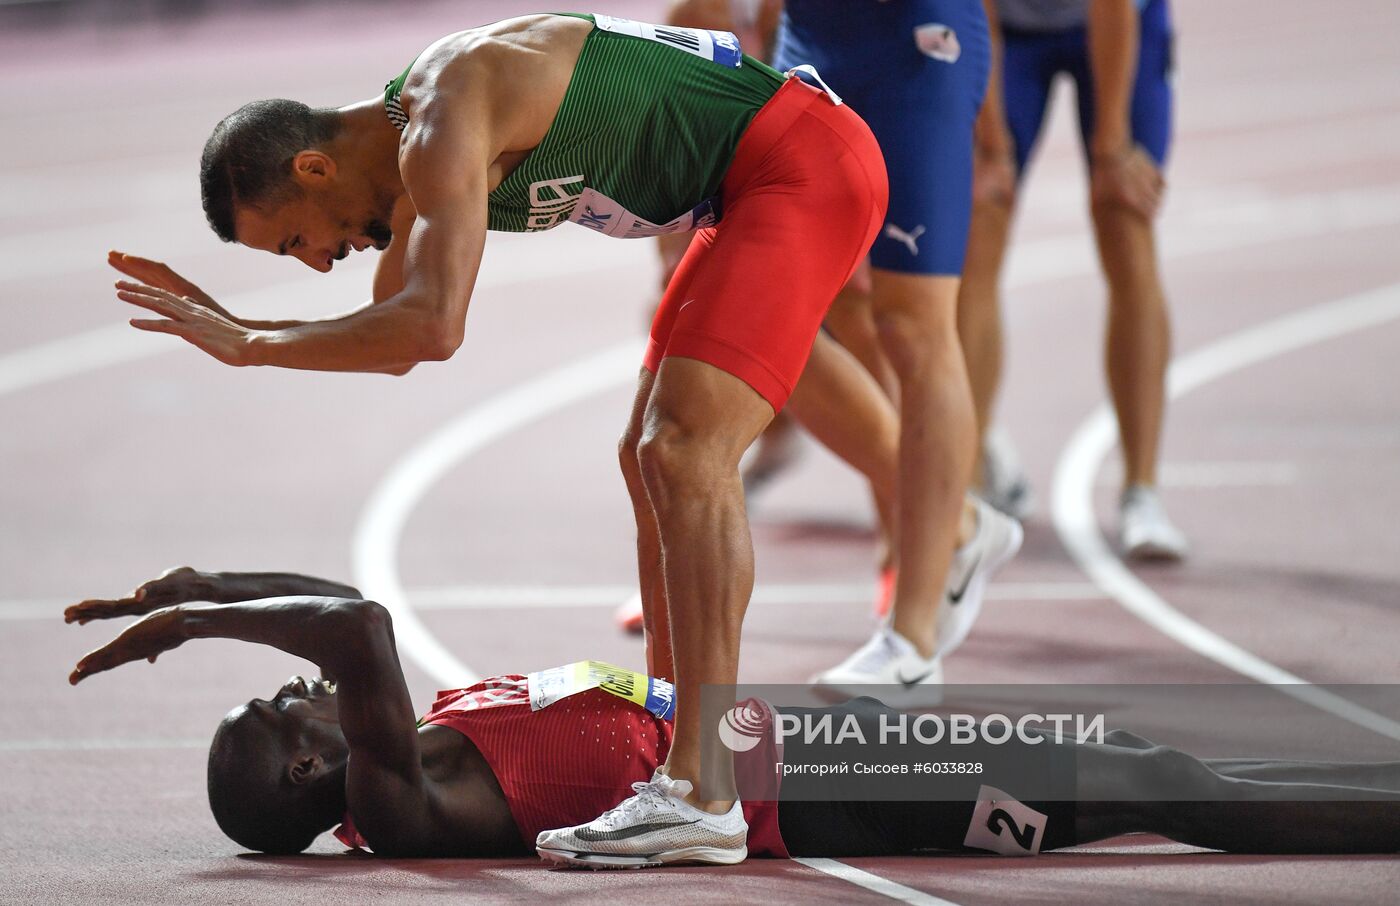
{"points": [[174, 586], [156, 275], [147, 638], [1129, 178], [187, 317]]}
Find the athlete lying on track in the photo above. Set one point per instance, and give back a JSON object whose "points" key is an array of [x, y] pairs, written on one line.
{"points": [[484, 774]]}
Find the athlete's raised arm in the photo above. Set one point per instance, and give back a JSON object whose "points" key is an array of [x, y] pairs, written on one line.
{"points": [[444, 159], [184, 585], [353, 642]]}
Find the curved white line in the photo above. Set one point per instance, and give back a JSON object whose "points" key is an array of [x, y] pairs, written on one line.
{"points": [[1074, 483], [382, 522]]}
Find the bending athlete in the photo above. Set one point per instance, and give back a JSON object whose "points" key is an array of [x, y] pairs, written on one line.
{"points": [[625, 128], [480, 774]]}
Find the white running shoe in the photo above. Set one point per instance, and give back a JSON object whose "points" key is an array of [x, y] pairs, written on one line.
{"points": [[655, 826], [1144, 530], [891, 660], [1004, 483], [997, 540]]}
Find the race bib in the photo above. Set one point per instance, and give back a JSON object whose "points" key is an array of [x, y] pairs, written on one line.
{"points": [[549, 686], [1005, 826], [720, 47], [601, 214]]}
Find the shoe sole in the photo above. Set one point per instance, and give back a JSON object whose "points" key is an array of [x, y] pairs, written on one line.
{"points": [[695, 855], [1151, 552]]}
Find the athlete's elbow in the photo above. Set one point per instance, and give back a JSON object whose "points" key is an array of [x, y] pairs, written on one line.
{"points": [[441, 341], [364, 621]]}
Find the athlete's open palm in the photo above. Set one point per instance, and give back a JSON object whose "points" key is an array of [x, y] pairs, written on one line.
{"points": [[185, 317], [161, 276], [147, 638]]}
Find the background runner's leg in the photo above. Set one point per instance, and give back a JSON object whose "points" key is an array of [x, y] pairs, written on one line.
{"points": [[1138, 339], [844, 408], [979, 306], [916, 316]]}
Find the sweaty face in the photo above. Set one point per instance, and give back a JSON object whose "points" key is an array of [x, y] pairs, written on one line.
{"points": [[318, 228]]}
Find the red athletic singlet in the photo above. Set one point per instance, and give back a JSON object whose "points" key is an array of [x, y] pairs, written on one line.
{"points": [[568, 763]]}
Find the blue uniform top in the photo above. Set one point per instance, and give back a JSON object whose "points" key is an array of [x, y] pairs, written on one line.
{"points": [[1046, 15]]}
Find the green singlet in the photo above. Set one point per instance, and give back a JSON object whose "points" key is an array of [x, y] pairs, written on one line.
{"points": [[647, 128]]}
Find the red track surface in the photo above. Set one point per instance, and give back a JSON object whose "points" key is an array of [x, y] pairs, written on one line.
{"points": [[1284, 197]]}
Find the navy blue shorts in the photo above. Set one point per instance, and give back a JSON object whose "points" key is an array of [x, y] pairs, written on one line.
{"points": [[1033, 59], [916, 72]]}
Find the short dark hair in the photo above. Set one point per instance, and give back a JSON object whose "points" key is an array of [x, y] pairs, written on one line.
{"points": [[253, 800], [248, 157]]}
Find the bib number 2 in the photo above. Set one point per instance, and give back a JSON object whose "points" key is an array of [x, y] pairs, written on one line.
{"points": [[720, 47], [1005, 826]]}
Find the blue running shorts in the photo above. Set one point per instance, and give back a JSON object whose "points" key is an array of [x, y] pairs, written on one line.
{"points": [[1032, 60], [916, 72]]}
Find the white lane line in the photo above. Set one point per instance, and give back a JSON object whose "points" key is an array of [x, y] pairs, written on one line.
{"points": [[488, 597], [874, 883], [1078, 528], [1212, 475], [546, 597], [376, 544]]}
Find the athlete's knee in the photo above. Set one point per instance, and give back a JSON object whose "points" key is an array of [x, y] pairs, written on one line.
{"points": [[915, 337], [674, 462]]}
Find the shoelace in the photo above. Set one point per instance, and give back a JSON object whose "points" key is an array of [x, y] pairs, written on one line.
{"points": [[646, 794]]}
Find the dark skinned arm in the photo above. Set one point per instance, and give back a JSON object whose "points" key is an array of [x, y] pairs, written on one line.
{"points": [[353, 641], [184, 585]]}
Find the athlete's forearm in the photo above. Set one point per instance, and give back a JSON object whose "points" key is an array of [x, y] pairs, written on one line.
{"points": [[1113, 53], [340, 635], [377, 338], [231, 588]]}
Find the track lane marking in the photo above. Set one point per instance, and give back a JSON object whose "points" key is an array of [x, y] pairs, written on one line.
{"points": [[1077, 525], [544, 597], [874, 883]]}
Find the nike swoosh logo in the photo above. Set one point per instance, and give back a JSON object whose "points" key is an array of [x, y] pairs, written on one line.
{"points": [[911, 683], [592, 836], [955, 597]]}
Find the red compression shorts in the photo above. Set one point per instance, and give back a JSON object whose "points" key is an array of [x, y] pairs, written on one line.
{"points": [[802, 201]]}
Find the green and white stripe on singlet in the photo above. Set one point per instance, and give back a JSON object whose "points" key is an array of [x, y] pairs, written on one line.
{"points": [[647, 128]]}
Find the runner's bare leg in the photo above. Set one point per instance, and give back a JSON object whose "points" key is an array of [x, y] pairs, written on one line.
{"points": [[655, 618], [698, 422]]}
